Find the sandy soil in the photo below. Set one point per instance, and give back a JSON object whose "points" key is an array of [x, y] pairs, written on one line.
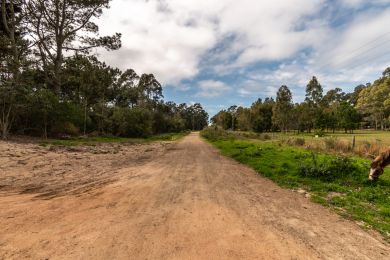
{"points": [[161, 201]]}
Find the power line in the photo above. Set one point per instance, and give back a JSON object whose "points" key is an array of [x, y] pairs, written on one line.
{"points": [[365, 61], [366, 51], [359, 48]]}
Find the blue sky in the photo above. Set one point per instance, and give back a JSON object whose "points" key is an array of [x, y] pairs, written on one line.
{"points": [[225, 52]]}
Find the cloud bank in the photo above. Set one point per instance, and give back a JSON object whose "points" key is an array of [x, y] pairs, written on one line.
{"points": [[230, 48]]}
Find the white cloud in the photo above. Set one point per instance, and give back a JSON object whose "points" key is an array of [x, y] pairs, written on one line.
{"points": [[156, 40], [212, 88], [173, 39], [250, 88], [358, 3], [365, 41], [169, 38]]}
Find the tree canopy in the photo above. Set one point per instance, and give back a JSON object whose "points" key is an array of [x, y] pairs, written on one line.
{"points": [[52, 85]]}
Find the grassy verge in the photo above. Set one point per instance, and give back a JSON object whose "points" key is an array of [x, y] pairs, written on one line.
{"points": [[334, 181], [97, 140]]}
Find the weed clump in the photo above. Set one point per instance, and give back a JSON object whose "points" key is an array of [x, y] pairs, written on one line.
{"points": [[329, 170], [319, 133], [265, 137], [295, 141], [333, 144], [214, 134]]}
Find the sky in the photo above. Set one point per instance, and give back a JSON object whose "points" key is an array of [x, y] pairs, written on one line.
{"points": [[227, 52]]}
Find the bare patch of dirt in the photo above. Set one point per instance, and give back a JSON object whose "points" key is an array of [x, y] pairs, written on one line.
{"points": [[28, 168], [175, 201]]}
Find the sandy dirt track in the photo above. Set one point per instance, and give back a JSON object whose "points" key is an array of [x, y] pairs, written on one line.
{"points": [[161, 201]]}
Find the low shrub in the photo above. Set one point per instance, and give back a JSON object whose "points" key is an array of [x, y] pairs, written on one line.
{"points": [[265, 137], [329, 170], [65, 129], [334, 144], [330, 143], [214, 133], [295, 141], [369, 149], [319, 133]]}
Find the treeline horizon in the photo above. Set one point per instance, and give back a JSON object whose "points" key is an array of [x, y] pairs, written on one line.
{"points": [[368, 106], [51, 85]]}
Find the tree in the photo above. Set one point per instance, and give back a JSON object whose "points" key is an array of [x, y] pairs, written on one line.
{"points": [[232, 110], [314, 92], [13, 57], [243, 119], [261, 115], [222, 119], [89, 83], [59, 26], [150, 90], [302, 117], [314, 95], [386, 73], [374, 102], [199, 117], [283, 108], [348, 117]]}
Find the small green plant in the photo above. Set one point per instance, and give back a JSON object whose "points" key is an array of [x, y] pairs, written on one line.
{"points": [[330, 169], [295, 141], [265, 137], [319, 133], [214, 134], [330, 143]]}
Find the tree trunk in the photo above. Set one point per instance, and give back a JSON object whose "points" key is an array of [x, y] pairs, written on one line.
{"points": [[85, 117]]}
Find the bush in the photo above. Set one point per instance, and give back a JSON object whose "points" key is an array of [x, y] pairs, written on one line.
{"points": [[132, 122], [337, 145], [319, 133], [265, 137], [65, 129], [330, 143], [329, 170], [214, 133], [295, 141]]}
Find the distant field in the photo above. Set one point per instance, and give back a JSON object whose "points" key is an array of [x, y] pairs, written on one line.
{"points": [[327, 178], [361, 136], [365, 143]]}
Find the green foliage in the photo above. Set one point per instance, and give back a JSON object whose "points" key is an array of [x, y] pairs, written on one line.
{"points": [[319, 133], [214, 133], [295, 141], [131, 122], [283, 108], [314, 92], [346, 189], [329, 170], [50, 95]]}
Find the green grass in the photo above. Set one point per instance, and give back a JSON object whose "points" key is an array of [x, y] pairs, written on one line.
{"points": [[350, 193], [361, 136], [91, 141]]}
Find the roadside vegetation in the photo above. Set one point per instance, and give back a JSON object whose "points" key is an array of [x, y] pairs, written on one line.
{"points": [[335, 179], [91, 141], [52, 85]]}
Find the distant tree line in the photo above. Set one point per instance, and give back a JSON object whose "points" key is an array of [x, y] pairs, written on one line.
{"points": [[368, 106], [52, 85]]}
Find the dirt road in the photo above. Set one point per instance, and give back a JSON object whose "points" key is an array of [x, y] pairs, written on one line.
{"points": [[162, 201]]}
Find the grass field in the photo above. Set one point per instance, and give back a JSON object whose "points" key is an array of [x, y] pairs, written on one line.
{"points": [[330, 179], [96, 140], [363, 143]]}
